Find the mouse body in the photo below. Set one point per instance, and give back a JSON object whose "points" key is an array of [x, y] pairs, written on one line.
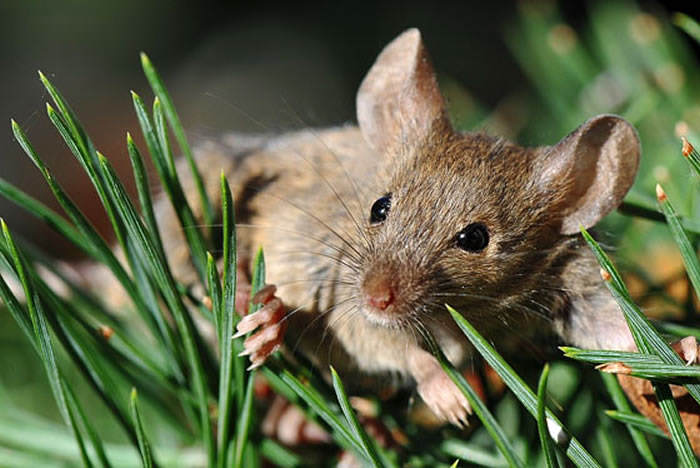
{"points": [[370, 230]]}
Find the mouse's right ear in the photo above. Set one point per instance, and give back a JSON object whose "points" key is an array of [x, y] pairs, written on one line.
{"points": [[399, 102], [588, 173]]}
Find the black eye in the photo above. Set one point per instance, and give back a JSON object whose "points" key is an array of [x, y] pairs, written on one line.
{"points": [[473, 238], [380, 209]]}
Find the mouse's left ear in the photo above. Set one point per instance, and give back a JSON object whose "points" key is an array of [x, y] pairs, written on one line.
{"points": [[589, 172], [399, 102]]}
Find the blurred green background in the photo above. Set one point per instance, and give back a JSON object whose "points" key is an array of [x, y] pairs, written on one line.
{"points": [[528, 70]]}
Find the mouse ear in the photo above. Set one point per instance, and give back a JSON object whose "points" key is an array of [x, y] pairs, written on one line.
{"points": [[591, 170], [399, 100]]}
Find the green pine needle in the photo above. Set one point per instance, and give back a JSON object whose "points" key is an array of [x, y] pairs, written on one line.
{"points": [[168, 107], [688, 252], [687, 24], [637, 421], [230, 379], [369, 451], [542, 429], [144, 445]]}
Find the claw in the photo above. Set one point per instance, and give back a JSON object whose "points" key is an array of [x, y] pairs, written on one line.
{"points": [[263, 343], [260, 338], [254, 366], [270, 313], [464, 418], [266, 326], [261, 353]]}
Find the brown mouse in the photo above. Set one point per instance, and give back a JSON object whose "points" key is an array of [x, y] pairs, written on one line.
{"points": [[369, 230]]}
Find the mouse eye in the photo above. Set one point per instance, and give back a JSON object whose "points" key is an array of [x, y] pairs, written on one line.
{"points": [[380, 209], [473, 238]]}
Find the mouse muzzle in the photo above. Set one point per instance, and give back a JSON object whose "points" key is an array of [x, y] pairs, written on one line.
{"points": [[380, 295]]}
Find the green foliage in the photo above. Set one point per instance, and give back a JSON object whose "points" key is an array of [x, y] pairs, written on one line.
{"points": [[367, 447], [688, 253], [196, 402], [225, 317], [144, 445], [542, 429]]}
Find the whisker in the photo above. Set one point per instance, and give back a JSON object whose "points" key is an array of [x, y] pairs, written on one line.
{"points": [[240, 110], [301, 234], [321, 281], [336, 324], [347, 210], [343, 239], [319, 316], [296, 253], [493, 300], [342, 167]]}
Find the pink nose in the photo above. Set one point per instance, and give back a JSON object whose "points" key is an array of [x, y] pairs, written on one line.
{"points": [[379, 293]]}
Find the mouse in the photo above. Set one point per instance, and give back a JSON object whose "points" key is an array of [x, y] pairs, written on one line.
{"points": [[369, 229]]}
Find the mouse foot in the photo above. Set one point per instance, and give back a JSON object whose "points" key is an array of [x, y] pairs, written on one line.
{"points": [[444, 398], [289, 425], [269, 323], [688, 349]]}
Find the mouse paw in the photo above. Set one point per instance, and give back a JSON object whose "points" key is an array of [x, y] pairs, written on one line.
{"points": [[288, 424], [270, 326], [444, 399], [688, 349]]}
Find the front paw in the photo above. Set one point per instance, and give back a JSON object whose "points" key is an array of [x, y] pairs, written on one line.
{"points": [[269, 321], [444, 398], [688, 349]]}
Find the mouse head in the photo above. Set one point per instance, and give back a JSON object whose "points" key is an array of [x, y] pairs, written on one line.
{"points": [[466, 218]]}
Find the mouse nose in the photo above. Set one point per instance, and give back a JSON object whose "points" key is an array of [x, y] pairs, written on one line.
{"points": [[379, 292]]}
